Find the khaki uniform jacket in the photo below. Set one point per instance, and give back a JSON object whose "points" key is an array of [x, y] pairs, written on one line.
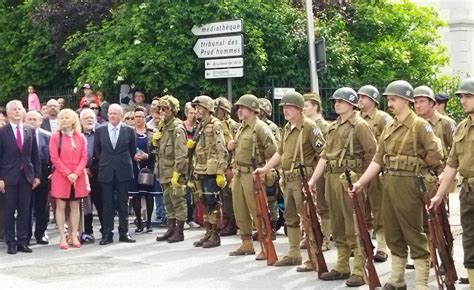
{"points": [[398, 139], [443, 128], [211, 156], [254, 138], [312, 142], [338, 143], [171, 150], [461, 156], [275, 130], [377, 120]]}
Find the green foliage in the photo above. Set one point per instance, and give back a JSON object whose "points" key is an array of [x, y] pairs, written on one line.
{"points": [[448, 85], [150, 45], [396, 41], [26, 56]]}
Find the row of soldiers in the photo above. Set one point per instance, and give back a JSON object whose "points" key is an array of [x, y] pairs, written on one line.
{"points": [[383, 154]]}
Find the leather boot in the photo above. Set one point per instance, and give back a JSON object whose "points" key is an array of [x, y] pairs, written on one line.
{"points": [[225, 221], [214, 240], [294, 255], [171, 226], [178, 235], [206, 236], [326, 229], [230, 228], [422, 272], [381, 254], [397, 276], [148, 226], [245, 248]]}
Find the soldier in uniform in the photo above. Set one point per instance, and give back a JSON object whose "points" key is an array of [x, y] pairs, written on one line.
{"points": [[369, 98], [407, 148], [272, 188], [301, 145], [210, 164], [252, 146], [223, 109], [351, 144], [461, 158], [313, 111], [171, 167]]}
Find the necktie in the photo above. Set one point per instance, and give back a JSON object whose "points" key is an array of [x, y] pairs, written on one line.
{"points": [[114, 136], [18, 138]]}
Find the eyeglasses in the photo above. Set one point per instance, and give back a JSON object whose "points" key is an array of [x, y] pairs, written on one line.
{"points": [[94, 108], [129, 118], [140, 117], [164, 109]]}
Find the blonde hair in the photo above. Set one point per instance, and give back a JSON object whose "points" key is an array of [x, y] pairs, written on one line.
{"points": [[76, 126]]}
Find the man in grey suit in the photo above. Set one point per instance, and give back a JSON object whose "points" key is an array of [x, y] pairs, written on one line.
{"points": [[19, 174], [114, 148], [39, 210]]}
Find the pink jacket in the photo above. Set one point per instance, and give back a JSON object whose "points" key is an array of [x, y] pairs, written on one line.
{"points": [[69, 162]]}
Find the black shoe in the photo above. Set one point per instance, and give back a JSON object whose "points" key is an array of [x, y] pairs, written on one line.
{"points": [[11, 250], [23, 249], [126, 239], [42, 241], [106, 239]]}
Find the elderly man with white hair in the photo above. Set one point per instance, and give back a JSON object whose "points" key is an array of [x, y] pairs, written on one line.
{"points": [[114, 149]]}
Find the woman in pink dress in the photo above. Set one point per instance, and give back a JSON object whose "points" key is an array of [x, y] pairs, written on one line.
{"points": [[33, 100], [68, 151]]}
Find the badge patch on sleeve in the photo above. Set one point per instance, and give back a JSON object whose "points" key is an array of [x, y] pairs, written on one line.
{"points": [[428, 128], [453, 127], [318, 144], [315, 131], [218, 132], [266, 130]]}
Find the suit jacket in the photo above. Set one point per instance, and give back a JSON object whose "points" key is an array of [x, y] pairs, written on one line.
{"points": [[12, 160], [43, 150], [45, 125], [116, 161]]}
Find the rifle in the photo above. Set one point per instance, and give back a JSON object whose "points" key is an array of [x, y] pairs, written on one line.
{"points": [[196, 137], [314, 235], [263, 221], [364, 241], [441, 239]]}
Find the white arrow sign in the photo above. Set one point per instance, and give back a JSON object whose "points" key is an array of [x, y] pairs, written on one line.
{"points": [[224, 73], [223, 27], [214, 47], [224, 62]]}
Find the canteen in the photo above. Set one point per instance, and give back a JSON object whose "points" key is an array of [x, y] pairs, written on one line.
{"points": [[146, 177]]}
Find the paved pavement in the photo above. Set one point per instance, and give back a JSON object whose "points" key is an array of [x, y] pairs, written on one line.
{"points": [[148, 264]]}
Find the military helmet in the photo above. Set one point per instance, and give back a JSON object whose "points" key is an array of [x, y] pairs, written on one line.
{"points": [[249, 101], [204, 101], [346, 94], [371, 92], [223, 104], [401, 89], [466, 87], [292, 99], [424, 91], [266, 106], [312, 97], [170, 102]]}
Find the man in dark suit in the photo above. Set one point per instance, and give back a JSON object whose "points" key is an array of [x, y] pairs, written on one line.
{"points": [[39, 210], [51, 122], [114, 147], [19, 173]]}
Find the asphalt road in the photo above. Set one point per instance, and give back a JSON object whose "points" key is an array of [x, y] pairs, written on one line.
{"points": [[148, 264]]}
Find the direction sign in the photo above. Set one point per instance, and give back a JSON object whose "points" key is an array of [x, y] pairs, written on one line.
{"points": [[222, 27], [224, 62], [279, 92], [223, 46], [224, 73]]}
